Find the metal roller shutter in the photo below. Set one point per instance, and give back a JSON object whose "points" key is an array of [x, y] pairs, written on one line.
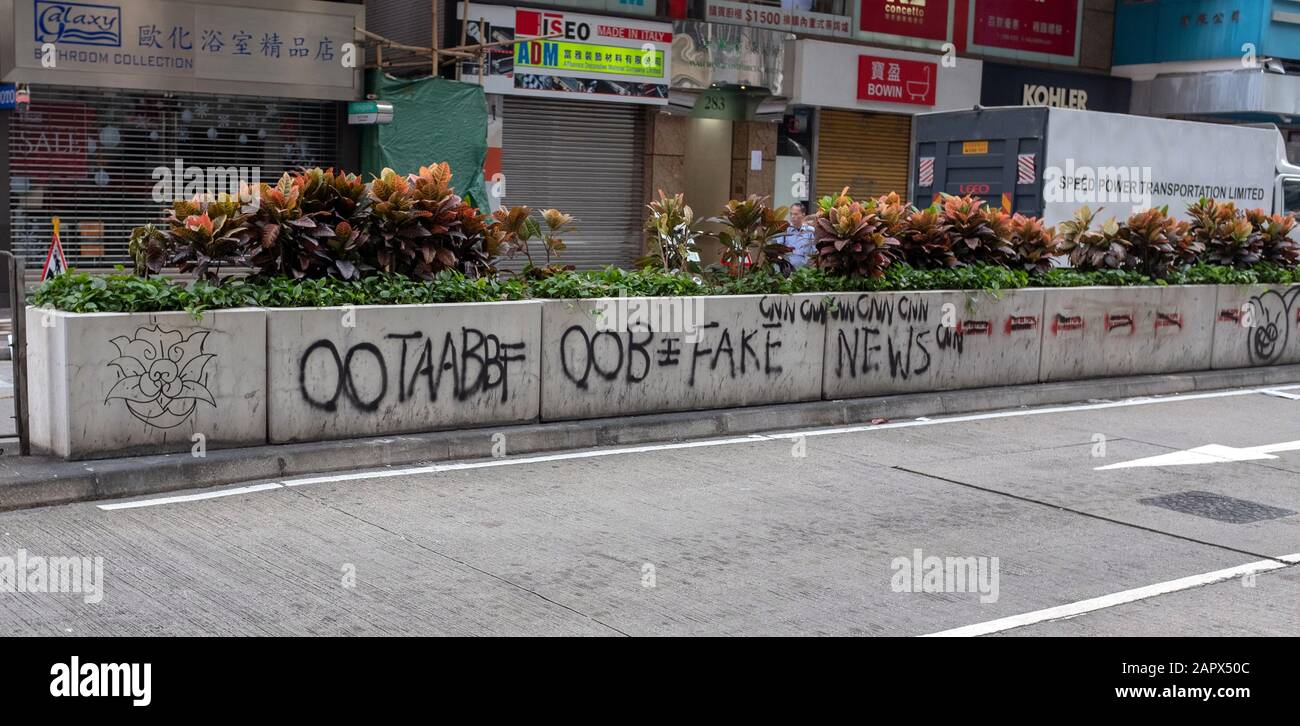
{"points": [[867, 152], [89, 157], [582, 158]]}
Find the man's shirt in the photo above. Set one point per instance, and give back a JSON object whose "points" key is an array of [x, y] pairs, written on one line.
{"points": [[801, 243]]}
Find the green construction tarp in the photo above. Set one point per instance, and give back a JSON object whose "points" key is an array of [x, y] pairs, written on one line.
{"points": [[434, 120]]}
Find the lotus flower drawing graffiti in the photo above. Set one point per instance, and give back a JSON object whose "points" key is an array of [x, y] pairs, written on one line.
{"points": [[162, 375]]}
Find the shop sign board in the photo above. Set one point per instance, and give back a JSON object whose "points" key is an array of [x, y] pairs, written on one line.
{"points": [[570, 55], [296, 48], [788, 18], [1026, 29], [906, 22], [1013, 85], [867, 78], [896, 80]]}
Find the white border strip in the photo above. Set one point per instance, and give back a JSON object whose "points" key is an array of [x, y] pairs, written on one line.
{"points": [[1119, 598], [750, 439]]}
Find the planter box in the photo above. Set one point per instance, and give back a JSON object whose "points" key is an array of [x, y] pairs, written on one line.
{"points": [[1257, 325], [618, 356], [903, 342], [114, 384], [1090, 332], [385, 369]]}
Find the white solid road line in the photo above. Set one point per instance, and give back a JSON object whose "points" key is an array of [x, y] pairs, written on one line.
{"points": [[1075, 609], [435, 468], [191, 497], [750, 439], [1280, 394]]}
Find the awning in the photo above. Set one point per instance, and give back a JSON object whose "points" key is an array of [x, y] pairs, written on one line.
{"points": [[1248, 94]]}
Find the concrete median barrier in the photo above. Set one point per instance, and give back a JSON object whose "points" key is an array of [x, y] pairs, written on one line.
{"points": [[1090, 332], [619, 356], [1256, 325], [880, 343], [116, 384], [372, 370]]}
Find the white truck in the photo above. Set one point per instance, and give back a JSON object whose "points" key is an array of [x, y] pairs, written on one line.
{"points": [[1048, 162]]}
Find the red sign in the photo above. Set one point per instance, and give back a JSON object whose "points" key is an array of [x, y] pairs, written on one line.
{"points": [[896, 80], [926, 19], [538, 23], [55, 262], [1026, 25]]}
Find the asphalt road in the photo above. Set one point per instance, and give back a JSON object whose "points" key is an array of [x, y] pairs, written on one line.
{"points": [[812, 533]]}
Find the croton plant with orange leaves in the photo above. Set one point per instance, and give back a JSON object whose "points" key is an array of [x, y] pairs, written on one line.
{"points": [[322, 223]]}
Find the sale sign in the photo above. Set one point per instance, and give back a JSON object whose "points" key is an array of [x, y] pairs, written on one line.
{"points": [[1026, 26], [925, 19], [53, 140], [895, 80]]}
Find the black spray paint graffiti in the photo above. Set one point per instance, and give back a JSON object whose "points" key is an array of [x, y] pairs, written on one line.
{"points": [[479, 366], [908, 351], [1271, 328], [807, 310], [633, 355]]}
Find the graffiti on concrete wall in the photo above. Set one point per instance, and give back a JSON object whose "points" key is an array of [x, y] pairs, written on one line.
{"points": [[670, 351], [1269, 316], [904, 336], [408, 367], [162, 375], [1119, 322], [633, 355]]}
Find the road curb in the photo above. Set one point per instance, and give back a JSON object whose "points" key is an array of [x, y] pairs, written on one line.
{"points": [[41, 481]]}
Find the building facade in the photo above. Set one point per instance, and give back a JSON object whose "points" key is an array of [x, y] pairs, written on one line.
{"points": [[130, 100], [791, 99], [1228, 61], [605, 103]]}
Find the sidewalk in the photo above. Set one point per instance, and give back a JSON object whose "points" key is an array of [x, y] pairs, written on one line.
{"points": [[38, 481]]}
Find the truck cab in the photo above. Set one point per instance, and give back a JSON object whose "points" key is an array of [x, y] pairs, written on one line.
{"points": [[1286, 185]]}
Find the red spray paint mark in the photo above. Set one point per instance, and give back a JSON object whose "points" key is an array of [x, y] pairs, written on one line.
{"points": [[1020, 322], [1230, 315], [977, 327], [1066, 322], [1119, 320], [1169, 320]]}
